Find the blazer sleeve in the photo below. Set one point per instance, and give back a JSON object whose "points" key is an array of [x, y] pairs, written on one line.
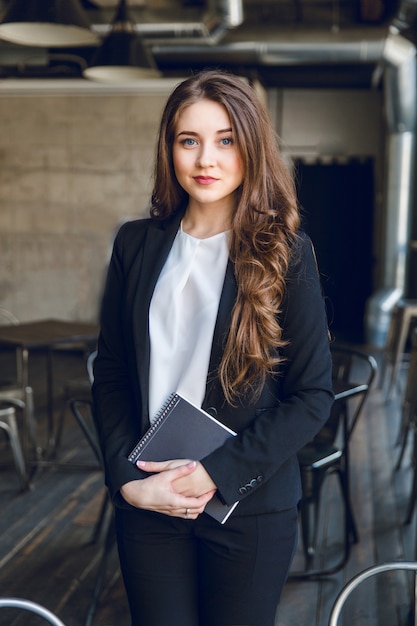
{"points": [[116, 409], [299, 397]]}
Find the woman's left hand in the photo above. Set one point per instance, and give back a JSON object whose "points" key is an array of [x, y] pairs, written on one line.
{"points": [[195, 484]]}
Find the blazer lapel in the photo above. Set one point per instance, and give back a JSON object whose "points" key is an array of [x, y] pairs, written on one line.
{"points": [[227, 301], [156, 247]]}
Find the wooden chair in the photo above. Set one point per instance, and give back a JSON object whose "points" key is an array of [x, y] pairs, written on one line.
{"points": [[328, 453], [368, 573], [31, 607]]}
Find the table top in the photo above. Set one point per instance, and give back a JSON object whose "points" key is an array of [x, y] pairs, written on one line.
{"points": [[46, 333]]}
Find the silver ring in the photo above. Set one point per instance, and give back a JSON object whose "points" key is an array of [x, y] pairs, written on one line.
{"points": [[186, 513]]}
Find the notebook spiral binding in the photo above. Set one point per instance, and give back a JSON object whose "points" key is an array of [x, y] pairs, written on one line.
{"points": [[159, 418]]}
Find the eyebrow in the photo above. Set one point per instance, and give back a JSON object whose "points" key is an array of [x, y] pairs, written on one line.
{"points": [[194, 134]]}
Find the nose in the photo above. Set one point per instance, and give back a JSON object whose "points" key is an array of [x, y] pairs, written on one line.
{"points": [[206, 156]]}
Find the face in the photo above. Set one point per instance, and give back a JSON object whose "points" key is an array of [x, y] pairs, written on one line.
{"points": [[207, 162]]}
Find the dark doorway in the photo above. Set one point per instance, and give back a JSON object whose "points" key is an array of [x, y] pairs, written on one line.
{"points": [[337, 204]]}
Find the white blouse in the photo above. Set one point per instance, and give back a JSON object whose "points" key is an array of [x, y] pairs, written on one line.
{"points": [[182, 317]]}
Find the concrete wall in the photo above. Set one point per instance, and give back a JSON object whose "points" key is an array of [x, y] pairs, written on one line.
{"points": [[76, 160]]}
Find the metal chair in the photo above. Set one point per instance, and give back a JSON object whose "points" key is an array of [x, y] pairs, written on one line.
{"points": [[404, 313], [368, 573], [82, 410], [409, 402], [32, 607], [410, 414], [79, 390], [9, 426], [328, 454], [14, 392]]}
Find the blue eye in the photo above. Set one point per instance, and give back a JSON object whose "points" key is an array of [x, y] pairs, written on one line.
{"points": [[189, 141], [226, 141]]}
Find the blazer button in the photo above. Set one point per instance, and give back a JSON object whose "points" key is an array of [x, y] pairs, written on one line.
{"points": [[253, 483], [259, 479], [242, 490]]}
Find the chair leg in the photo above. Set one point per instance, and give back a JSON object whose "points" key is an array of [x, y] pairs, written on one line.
{"points": [[403, 448], [413, 494], [411, 500], [101, 517], [309, 512], [351, 531], [10, 427], [108, 544], [60, 428], [404, 318], [30, 413]]}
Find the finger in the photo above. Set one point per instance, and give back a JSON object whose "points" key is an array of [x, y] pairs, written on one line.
{"points": [[161, 466], [205, 497]]}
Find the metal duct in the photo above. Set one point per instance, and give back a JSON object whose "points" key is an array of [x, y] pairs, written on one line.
{"points": [[274, 53], [400, 106]]}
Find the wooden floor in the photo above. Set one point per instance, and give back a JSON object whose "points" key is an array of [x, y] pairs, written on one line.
{"points": [[47, 556]]}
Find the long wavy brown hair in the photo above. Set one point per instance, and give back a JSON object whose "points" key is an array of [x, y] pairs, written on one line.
{"points": [[264, 225]]}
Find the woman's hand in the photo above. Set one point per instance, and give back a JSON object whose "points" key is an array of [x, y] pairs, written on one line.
{"points": [[193, 484], [157, 492]]}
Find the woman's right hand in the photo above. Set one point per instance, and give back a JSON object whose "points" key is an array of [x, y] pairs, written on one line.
{"points": [[156, 493]]}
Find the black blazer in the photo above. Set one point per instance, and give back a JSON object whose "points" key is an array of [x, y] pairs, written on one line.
{"points": [[259, 466]]}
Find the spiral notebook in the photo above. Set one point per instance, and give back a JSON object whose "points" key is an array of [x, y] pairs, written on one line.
{"points": [[184, 431]]}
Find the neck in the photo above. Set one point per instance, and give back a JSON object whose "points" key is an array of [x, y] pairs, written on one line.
{"points": [[204, 224]]}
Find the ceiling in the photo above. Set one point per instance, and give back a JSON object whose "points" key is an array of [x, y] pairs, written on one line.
{"points": [[186, 46], [261, 13]]}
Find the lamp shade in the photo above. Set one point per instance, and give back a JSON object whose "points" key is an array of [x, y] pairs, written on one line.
{"points": [[122, 56], [46, 23]]}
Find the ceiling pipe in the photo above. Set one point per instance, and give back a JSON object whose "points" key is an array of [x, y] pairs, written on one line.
{"points": [[274, 53], [224, 16], [124, 55]]}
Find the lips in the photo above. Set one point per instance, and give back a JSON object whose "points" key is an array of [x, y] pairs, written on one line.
{"points": [[204, 180]]}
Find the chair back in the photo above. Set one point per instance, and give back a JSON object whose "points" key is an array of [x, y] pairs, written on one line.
{"points": [[82, 409], [353, 374], [368, 573], [6, 318], [410, 392], [90, 366], [32, 607]]}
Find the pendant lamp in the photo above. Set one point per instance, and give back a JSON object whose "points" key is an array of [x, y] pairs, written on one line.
{"points": [[46, 23], [122, 56]]}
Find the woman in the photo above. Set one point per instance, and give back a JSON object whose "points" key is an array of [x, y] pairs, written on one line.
{"points": [[216, 296]]}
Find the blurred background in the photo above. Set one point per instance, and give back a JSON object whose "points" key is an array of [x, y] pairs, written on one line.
{"points": [[82, 87], [78, 134]]}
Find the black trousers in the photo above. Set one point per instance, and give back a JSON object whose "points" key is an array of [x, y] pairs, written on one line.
{"points": [[201, 573]]}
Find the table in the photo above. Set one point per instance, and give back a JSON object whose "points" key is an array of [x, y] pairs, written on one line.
{"points": [[45, 334]]}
